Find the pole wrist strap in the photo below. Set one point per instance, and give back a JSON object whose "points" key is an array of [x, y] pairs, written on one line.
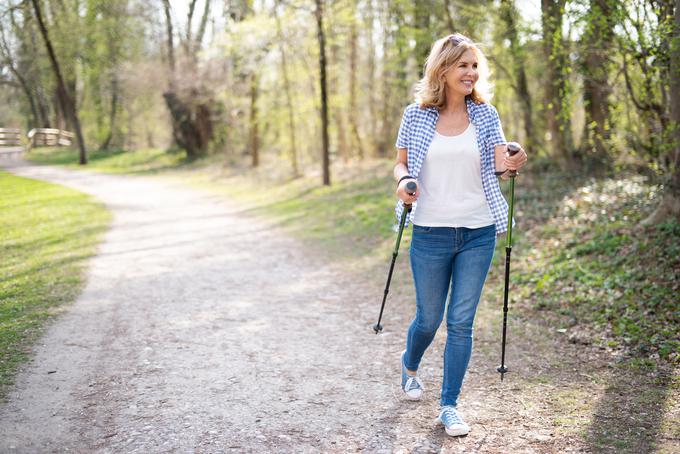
{"points": [[405, 177]]}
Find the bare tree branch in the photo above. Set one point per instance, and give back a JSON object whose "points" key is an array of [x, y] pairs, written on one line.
{"points": [[203, 26]]}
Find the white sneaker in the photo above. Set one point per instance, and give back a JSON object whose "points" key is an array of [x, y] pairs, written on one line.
{"points": [[453, 421], [411, 384]]}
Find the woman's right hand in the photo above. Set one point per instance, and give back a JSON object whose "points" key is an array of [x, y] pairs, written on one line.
{"points": [[405, 196]]}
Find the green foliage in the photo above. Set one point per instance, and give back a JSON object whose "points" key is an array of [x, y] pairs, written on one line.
{"points": [[48, 233], [354, 214], [591, 267]]}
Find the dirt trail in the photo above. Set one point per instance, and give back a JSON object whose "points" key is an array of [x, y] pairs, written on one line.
{"points": [[203, 329]]}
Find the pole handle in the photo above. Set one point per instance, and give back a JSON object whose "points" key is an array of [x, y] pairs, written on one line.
{"points": [[411, 188], [513, 149]]}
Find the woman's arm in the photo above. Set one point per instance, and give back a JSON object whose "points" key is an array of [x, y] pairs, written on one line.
{"points": [[401, 166], [400, 171]]}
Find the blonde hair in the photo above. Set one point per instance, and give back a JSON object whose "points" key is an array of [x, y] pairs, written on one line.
{"points": [[431, 89]]}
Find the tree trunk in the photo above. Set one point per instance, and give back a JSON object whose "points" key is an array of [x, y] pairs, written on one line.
{"points": [[112, 113], [9, 61], [170, 44], [421, 26], [353, 115], [192, 123], [449, 19], [190, 107], [67, 104], [557, 84], [288, 92], [396, 81], [254, 134], [42, 102], [324, 96], [509, 14], [597, 41], [384, 134], [669, 208], [370, 92]]}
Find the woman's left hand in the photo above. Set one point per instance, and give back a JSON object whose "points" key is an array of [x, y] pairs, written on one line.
{"points": [[515, 161]]}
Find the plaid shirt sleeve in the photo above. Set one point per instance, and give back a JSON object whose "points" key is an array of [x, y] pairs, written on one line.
{"points": [[496, 135], [404, 129]]}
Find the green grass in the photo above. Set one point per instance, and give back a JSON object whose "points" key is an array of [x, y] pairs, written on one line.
{"points": [[48, 233], [350, 218], [143, 161]]}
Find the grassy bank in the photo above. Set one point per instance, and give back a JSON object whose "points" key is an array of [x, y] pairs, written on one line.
{"points": [[587, 266], [48, 232]]}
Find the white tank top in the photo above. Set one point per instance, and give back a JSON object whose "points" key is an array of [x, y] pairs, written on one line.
{"points": [[450, 181]]}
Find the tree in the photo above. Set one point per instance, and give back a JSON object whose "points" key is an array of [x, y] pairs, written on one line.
{"points": [[518, 78], [189, 101], [288, 92], [321, 37], [354, 113], [421, 29], [669, 208], [556, 82], [66, 102], [597, 43], [7, 59]]}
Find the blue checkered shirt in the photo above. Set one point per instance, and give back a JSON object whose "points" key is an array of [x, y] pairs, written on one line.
{"points": [[416, 133]]}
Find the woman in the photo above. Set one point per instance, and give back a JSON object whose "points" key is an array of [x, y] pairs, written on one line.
{"points": [[451, 143]]}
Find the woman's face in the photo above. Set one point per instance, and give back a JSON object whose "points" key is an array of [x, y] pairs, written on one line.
{"points": [[463, 75]]}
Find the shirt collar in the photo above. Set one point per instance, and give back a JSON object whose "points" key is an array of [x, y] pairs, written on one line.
{"points": [[472, 111]]}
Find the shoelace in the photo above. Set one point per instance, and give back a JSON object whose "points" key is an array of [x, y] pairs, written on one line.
{"points": [[450, 417], [412, 383]]}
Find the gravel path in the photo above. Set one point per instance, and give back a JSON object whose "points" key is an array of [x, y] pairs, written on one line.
{"points": [[200, 329], [204, 329]]}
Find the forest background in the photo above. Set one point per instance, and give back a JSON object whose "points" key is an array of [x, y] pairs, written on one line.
{"points": [[589, 85]]}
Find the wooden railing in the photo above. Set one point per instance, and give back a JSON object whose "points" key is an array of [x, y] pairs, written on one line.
{"points": [[10, 141], [48, 137], [10, 137]]}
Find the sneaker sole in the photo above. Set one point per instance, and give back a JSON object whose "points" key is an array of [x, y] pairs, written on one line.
{"points": [[413, 398], [454, 432]]}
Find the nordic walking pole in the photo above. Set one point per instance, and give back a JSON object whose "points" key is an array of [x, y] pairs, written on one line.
{"points": [[513, 147], [410, 189]]}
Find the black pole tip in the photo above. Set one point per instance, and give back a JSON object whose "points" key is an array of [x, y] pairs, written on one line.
{"points": [[502, 370], [377, 328]]}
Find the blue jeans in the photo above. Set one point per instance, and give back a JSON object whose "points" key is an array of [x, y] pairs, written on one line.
{"points": [[443, 257]]}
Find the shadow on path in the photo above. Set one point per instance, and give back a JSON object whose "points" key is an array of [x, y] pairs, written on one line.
{"points": [[630, 415]]}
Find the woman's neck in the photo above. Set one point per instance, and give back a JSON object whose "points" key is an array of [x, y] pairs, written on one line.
{"points": [[455, 103]]}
